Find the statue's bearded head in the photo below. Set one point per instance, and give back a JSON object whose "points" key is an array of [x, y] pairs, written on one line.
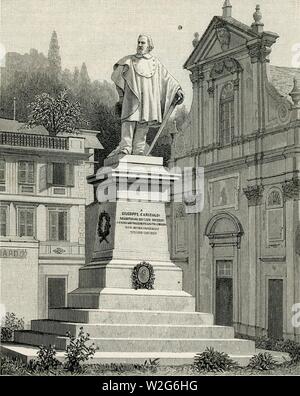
{"points": [[145, 44]]}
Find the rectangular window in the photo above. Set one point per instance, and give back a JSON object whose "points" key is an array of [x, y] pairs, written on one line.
{"points": [[3, 220], [26, 222], [26, 176], [2, 175], [58, 224], [59, 174]]}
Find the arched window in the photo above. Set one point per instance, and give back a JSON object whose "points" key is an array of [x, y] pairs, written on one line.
{"points": [[227, 114]]}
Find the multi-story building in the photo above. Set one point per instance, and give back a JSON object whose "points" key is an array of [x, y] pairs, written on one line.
{"points": [[241, 253], [43, 195]]}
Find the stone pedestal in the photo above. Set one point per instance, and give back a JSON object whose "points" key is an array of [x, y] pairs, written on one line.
{"points": [[126, 323], [130, 229]]}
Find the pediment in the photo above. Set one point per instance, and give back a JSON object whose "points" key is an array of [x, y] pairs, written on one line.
{"points": [[221, 36]]}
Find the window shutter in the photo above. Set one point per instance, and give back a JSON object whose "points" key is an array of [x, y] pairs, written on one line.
{"points": [[21, 172], [70, 175], [53, 226], [43, 178], [49, 173]]}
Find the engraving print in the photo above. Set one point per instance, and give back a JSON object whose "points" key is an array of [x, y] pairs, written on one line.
{"points": [[149, 190]]}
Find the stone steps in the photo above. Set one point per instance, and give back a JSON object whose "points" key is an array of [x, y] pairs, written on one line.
{"points": [[130, 317], [149, 300], [27, 353], [121, 330], [231, 346]]}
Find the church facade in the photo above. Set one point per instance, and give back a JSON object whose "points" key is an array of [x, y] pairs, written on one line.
{"points": [[241, 253]]}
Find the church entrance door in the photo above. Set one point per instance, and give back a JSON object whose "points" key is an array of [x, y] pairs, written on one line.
{"points": [[224, 293], [275, 308]]}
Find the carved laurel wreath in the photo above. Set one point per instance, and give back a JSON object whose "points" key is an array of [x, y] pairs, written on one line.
{"points": [[104, 226], [143, 276]]}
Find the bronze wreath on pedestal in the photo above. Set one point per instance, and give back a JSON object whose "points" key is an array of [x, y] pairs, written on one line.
{"points": [[104, 226], [143, 276]]}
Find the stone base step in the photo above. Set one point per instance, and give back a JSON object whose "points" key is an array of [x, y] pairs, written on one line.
{"points": [[121, 330], [93, 316], [149, 300], [26, 353], [230, 346]]}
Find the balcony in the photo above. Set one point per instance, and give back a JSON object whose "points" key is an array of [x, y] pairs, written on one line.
{"points": [[35, 141]]}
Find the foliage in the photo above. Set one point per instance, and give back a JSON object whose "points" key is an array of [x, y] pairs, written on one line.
{"points": [[46, 359], [10, 325], [151, 365], [213, 361], [104, 120], [55, 114], [13, 366], [54, 56], [293, 349], [77, 352], [288, 346], [32, 75], [26, 76], [262, 362]]}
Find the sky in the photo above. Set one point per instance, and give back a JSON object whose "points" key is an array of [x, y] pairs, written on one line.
{"points": [[99, 32]]}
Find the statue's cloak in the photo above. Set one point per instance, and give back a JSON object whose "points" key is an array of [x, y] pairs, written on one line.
{"points": [[149, 89]]}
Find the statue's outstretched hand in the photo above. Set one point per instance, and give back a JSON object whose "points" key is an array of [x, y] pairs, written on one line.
{"points": [[179, 97]]}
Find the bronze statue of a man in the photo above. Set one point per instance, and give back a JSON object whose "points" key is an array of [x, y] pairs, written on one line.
{"points": [[146, 92]]}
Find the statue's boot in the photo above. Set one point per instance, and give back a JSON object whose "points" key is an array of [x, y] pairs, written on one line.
{"points": [[117, 151]]}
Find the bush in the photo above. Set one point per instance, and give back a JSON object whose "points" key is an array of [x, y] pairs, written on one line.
{"points": [[293, 349], [46, 359], [263, 362], [11, 324], [287, 346], [213, 361], [77, 351]]}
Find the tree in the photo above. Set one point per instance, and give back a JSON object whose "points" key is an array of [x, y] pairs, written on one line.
{"points": [[84, 79], [55, 114], [53, 56], [104, 120], [181, 116]]}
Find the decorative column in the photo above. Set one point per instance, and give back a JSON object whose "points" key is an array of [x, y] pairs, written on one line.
{"points": [[254, 195], [259, 51], [12, 220], [201, 108], [195, 107], [291, 194], [211, 93]]}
